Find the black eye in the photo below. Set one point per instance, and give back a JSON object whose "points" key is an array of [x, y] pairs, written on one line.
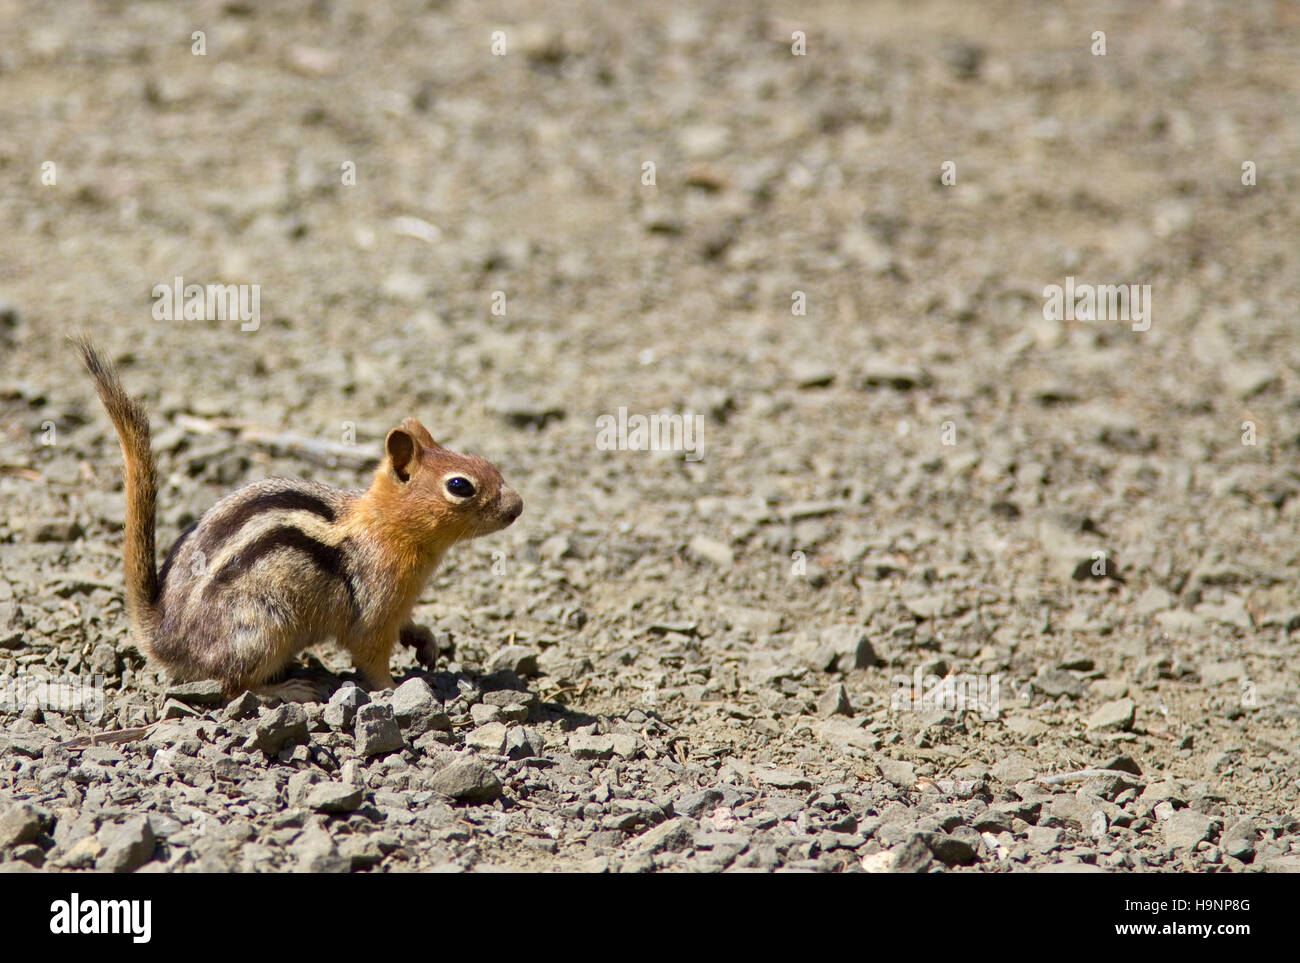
{"points": [[460, 487]]}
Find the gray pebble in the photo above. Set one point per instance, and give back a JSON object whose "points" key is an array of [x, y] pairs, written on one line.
{"points": [[127, 847], [377, 731], [488, 738], [518, 659], [19, 823], [467, 780], [1114, 716], [334, 797], [591, 747], [834, 702], [412, 700], [282, 726]]}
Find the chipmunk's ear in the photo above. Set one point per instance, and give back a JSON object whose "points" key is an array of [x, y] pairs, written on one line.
{"points": [[419, 433], [403, 450]]}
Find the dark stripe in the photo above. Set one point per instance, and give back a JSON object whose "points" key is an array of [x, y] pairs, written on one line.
{"points": [[216, 535], [328, 558], [171, 557]]}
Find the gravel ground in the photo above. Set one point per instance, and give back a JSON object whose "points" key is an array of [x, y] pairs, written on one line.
{"points": [[676, 663]]}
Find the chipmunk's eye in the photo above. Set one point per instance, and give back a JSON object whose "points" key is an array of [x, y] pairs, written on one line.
{"points": [[460, 487]]}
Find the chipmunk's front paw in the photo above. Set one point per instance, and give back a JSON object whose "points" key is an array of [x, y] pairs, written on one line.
{"points": [[423, 641]]}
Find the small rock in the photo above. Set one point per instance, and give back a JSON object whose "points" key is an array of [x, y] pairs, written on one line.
{"points": [[1044, 839], [838, 648], [521, 743], [1248, 378], [175, 709], [697, 804], [19, 823], [523, 412], [334, 797], [508, 698], [811, 374], [405, 286], [228, 770], [925, 606], [880, 372], [204, 693], [846, 735], [377, 731], [782, 778], [341, 711], [591, 747], [361, 851], [713, 551], [1114, 716], [883, 861], [312, 61], [1058, 682], [1185, 828], [243, 706], [82, 854], [834, 702], [954, 850], [1232, 611], [128, 847], [1216, 673], [912, 856], [411, 700], [315, 852], [517, 659], [467, 780], [58, 531], [482, 714], [1181, 621], [674, 836], [10, 316], [1107, 689], [12, 625], [1013, 768], [1153, 600], [489, 738], [1239, 839], [898, 772], [625, 745], [282, 726], [1122, 763], [556, 547]]}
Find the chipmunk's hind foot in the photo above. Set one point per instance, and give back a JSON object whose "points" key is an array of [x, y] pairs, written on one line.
{"points": [[295, 690], [300, 683]]}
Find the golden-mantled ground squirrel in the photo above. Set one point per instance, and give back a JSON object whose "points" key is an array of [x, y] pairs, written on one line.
{"points": [[282, 564]]}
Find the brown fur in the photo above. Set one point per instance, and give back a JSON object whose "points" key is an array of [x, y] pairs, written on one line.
{"points": [[281, 564], [131, 422]]}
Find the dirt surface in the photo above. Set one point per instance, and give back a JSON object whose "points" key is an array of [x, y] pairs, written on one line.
{"points": [[669, 662]]}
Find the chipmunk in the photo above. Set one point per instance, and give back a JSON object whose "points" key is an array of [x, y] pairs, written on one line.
{"points": [[280, 564]]}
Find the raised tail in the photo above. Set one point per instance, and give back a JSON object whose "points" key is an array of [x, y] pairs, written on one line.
{"points": [[132, 424]]}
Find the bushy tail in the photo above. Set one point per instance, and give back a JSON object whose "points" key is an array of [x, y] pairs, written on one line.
{"points": [[132, 424]]}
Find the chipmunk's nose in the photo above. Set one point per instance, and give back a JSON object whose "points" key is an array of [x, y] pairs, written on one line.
{"points": [[512, 506]]}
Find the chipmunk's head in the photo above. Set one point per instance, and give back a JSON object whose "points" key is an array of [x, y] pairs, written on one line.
{"points": [[442, 497]]}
